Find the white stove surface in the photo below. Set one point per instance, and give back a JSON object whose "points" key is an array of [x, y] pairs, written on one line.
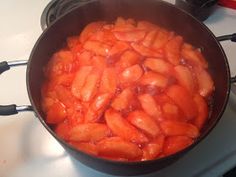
{"points": [[27, 149]]}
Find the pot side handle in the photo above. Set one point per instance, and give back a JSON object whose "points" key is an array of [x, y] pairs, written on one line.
{"points": [[12, 109], [231, 37]]}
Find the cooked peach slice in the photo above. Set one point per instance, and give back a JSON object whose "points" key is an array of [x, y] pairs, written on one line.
{"points": [[161, 39], [193, 56], [116, 147], [46, 103], [121, 127], [85, 58], [145, 51], [154, 79], [185, 78], [103, 35], [89, 132], [202, 111], [174, 128], [149, 38], [90, 29], [62, 130], [97, 107], [99, 62], [158, 65], [174, 144], [144, 25], [144, 122], [171, 111], [122, 100], [120, 21], [97, 47], [89, 89], [79, 80], [149, 105], [61, 62], [130, 36], [128, 58], [89, 148], [154, 148], [205, 82], [124, 25], [172, 50], [72, 41], [108, 81], [131, 74], [56, 113], [183, 99], [118, 48]]}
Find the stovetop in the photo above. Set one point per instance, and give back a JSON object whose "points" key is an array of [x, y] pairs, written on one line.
{"points": [[57, 8], [27, 149]]}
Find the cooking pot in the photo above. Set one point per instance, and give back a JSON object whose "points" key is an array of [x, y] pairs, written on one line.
{"points": [[158, 12]]}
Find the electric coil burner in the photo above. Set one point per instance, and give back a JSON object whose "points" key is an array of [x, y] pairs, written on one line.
{"points": [[57, 8]]}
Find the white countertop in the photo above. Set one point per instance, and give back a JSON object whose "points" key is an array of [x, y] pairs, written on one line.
{"points": [[27, 149]]}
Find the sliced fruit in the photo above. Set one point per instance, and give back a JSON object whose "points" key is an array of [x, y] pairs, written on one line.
{"points": [[123, 25], [79, 80], [154, 148], [159, 65], [62, 130], [145, 51], [174, 144], [72, 41], [154, 79], [89, 89], [60, 63], [149, 38], [144, 25], [128, 58], [99, 62], [118, 48], [90, 29], [183, 99], [193, 56], [172, 50], [65, 79], [202, 111], [46, 103], [131, 74], [56, 113], [85, 58], [161, 39], [185, 78], [116, 147], [89, 132], [97, 107], [149, 105], [122, 100], [97, 47], [130, 36], [103, 35], [205, 82], [144, 122], [121, 127], [174, 128], [89, 148], [171, 111], [108, 81]]}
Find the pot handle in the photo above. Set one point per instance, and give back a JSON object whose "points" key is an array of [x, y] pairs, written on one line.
{"points": [[12, 109], [231, 37]]}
